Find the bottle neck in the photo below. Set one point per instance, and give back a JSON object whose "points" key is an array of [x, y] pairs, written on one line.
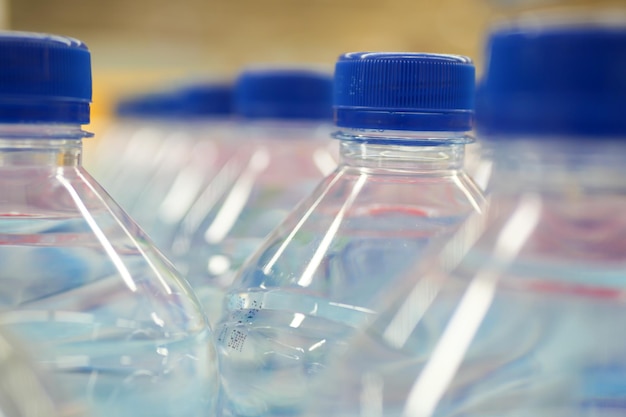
{"points": [[553, 166], [408, 152], [41, 145]]}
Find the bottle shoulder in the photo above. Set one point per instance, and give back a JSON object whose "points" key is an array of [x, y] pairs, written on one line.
{"points": [[356, 225], [77, 250]]}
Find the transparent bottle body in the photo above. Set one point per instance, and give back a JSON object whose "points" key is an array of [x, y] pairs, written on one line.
{"points": [[25, 391], [156, 169], [522, 317], [188, 160], [479, 163], [87, 291], [124, 156], [316, 278], [271, 167]]}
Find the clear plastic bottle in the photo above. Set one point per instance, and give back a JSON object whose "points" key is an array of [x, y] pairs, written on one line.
{"points": [[126, 151], [163, 151], [523, 314], [399, 190], [81, 284], [191, 155], [479, 163], [279, 152]]}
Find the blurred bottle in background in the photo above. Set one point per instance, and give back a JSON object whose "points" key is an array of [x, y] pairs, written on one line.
{"points": [[165, 148], [280, 150], [479, 162], [124, 158], [399, 189], [480, 154], [523, 316], [92, 299], [191, 155]]}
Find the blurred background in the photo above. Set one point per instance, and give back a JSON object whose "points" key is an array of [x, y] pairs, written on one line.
{"points": [[143, 44]]}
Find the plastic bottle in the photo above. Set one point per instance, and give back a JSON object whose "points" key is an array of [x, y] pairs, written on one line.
{"points": [[398, 191], [163, 151], [523, 315], [479, 163], [191, 155], [81, 284], [279, 152], [126, 151]]}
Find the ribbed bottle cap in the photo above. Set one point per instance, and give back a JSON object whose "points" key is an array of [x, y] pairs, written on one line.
{"points": [[554, 81], [283, 94], [207, 100], [404, 91], [43, 79]]}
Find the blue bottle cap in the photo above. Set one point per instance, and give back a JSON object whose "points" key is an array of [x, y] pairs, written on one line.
{"points": [[44, 79], [207, 100], [159, 105], [404, 91], [554, 81], [283, 94]]}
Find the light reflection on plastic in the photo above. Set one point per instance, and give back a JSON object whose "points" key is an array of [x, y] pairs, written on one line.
{"points": [[421, 296], [139, 247], [157, 320], [237, 198], [449, 352], [316, 345], [324, 161], [307, 276], [181, 195], [107, 246], [218, 265], [268, 267], [298, 318]]}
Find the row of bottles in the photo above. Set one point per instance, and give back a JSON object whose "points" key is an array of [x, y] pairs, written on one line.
{"points": [[519, 314], [208, 187], [364, 275]]}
